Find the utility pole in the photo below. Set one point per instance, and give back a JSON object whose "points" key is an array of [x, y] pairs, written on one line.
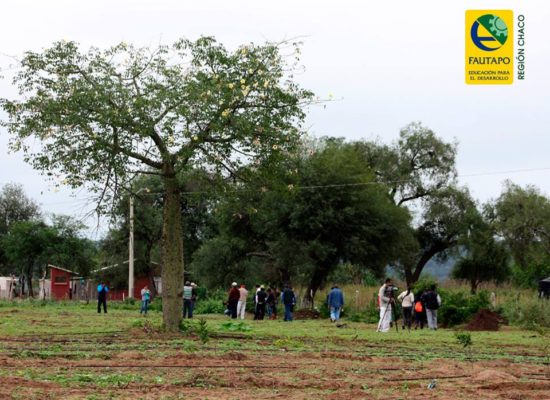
{"points": [[131, 251], [131, 245]]}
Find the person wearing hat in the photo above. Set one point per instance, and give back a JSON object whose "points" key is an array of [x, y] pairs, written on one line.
{"points": [[261, 297], [233, 300], [187, 300]]}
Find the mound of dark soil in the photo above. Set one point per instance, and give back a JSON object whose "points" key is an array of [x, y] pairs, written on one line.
{"points": [[306, 313], [485, 320]]}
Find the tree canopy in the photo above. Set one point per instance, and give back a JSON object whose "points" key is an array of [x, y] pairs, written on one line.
{"points": [[99, 117]]}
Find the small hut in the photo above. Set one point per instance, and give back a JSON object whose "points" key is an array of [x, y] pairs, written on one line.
{"points": [[61, 282]]}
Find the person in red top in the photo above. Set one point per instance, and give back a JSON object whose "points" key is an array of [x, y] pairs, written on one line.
{"points": [[233, 300]]}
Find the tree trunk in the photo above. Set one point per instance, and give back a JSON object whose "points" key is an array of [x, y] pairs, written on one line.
{"points": [[29, 281], [413, 276], [319, 276], [408, 275], [172, 255], [284, 276], [473, 286]]}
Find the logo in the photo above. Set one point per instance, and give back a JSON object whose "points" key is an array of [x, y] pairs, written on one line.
{"points": [[489, 32], [489, 57]]}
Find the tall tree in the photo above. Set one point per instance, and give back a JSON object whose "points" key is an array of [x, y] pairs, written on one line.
{"points": [[521, 217], [102, 116], [486, 259], [31, 245], [419, 173], [416, 166], [447, 217], [15, 206], [317, 211]]}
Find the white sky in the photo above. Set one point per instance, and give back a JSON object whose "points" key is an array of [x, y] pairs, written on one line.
{"points": [[390, 62]]}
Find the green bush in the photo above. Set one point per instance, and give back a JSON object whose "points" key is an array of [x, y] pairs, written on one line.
{"points": [[324, 311], [369, 315], [209, 306], [458, 307], [156, 304], [530, 312]]}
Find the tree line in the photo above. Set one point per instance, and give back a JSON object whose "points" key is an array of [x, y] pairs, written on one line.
{"points": [[30, 240], [230, 121]]}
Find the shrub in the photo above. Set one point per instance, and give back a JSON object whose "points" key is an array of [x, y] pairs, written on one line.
{"points": [[209, 306], [324, 311], [156, 304], [458, 307], [369, 315], [529, 312]]}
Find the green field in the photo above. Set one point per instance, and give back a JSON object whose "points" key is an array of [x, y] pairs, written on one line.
{"points": [[67, 349]]}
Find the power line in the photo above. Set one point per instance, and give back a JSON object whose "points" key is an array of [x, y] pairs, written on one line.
{"points": [[359, 184]]}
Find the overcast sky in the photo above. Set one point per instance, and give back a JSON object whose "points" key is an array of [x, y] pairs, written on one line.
{"points": [[389, 62]]}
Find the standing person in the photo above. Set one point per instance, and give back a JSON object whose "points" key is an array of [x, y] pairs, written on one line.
{"points": [[261, 297], [419, 311], [241, 305], [271, 301], [233, 300], [407, 301], [432, 301], [335, 303], [289, 300], [187, 300], [254, 299], [145, 299], [102, 291], [386, 301]]}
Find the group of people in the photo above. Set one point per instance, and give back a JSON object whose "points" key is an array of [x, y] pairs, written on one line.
{"points": [[423, 307], [265, 301], [103, 289]]}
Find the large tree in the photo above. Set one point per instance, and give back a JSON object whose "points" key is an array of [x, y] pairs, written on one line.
{"points": [[31, 245], [419, 173], [104, 115], [447, 218], [521, 217], [486, 259], [15, 206], [301, 221], [415, 167]]}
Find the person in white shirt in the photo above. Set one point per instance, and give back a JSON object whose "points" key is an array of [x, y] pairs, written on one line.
{"points": [[407, 301], [241, 305], [385, 299]]}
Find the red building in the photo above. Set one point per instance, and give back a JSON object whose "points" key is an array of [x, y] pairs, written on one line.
{"points": [[139, 283], [61, 282]]}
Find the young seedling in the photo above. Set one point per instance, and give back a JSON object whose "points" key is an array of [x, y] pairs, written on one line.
{"points": [[465, 339], [203, 331]]}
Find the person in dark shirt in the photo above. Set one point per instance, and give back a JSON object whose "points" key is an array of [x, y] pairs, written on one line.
{"points": [[233, 300], [271, 303], [289, 300], [261, 298], [102, 291]]}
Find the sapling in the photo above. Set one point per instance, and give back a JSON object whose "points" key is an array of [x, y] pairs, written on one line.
{"points": [[465, 339]]}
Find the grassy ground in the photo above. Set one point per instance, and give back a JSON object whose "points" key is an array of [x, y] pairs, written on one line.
{"points": [[69, 350]]}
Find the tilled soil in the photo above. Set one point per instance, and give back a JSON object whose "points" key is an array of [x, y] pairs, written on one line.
{"points": [[130, 367]]}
